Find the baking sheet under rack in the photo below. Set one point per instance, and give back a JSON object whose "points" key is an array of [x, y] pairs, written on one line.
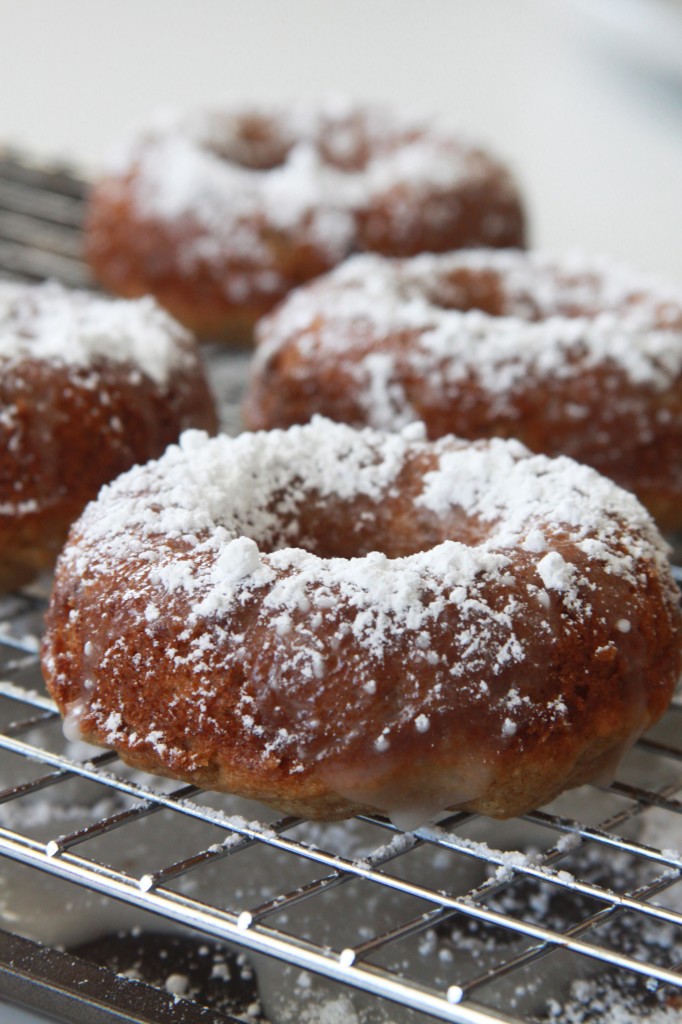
{"points": [[470, 920]]}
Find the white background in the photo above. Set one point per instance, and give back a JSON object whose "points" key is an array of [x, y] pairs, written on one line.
{"points": [[596, 144]]}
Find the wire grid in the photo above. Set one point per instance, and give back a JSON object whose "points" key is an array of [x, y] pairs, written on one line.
{"points": [[254, 927], [40, 218]]}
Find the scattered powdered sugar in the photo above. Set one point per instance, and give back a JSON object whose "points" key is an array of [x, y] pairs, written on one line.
{"points": [[526, 496], [240, 497], [223, 487], [309, 170], [559, 316], [555, 572], [177, 984], [216, 524], [50, 323], [592, 1000], [237, 822]]}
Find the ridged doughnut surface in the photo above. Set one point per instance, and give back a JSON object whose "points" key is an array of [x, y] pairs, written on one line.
{"points": [[88, 387], [332, 620], [220, 214], [571, 355]]}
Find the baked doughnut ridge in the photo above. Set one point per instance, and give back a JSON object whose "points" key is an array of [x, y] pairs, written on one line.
{"points": [[334, 621], [88, 387], [573, 355], [220, 213]]}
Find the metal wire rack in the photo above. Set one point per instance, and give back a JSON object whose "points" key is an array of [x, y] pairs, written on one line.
{"points": [[467, 920]]}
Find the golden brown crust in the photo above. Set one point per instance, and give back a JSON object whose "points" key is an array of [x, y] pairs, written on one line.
{"points": [[611, 699], [219, 273], [608, 394], [133, 255], [67, 431], [504, 685]]}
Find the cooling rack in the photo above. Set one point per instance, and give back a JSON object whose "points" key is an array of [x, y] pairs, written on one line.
{"points": [[465, 920]]}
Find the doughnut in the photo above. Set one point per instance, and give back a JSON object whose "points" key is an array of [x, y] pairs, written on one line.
{"points": [[335, 621], [572, 356], [220, 213], [88, 387]]}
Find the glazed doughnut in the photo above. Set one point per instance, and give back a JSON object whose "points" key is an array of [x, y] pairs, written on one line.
{"points": [[571, 356], [88, 387], [220, 214], [334, 621]]}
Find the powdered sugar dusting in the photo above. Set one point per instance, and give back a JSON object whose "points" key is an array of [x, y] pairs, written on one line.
{"points": [[306, 170], [557, 317], [212, 535], [51, 323], [211, 491]]}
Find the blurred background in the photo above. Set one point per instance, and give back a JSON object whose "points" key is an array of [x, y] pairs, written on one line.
{"points": [[583, 97]]}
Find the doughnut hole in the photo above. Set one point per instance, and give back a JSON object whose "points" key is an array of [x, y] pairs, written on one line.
{"points": [[573, 295], [253, 141], [260, 143], [397, 527], [464, 289], [569, 358]]}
